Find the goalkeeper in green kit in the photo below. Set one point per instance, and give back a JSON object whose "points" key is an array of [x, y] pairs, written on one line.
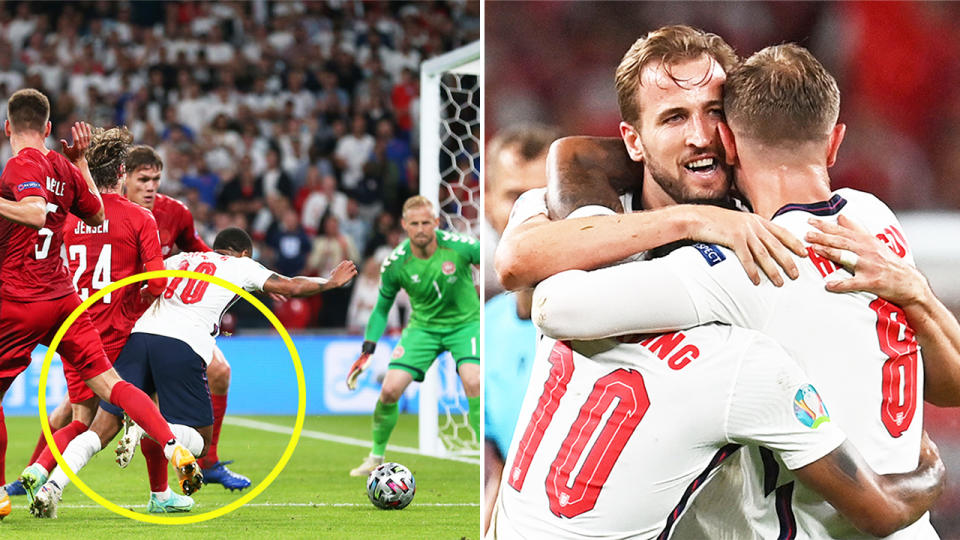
{"points": [[434, 267]]}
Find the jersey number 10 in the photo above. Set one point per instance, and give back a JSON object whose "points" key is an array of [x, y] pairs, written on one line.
{"points": [[194, 289], [624, 385]]}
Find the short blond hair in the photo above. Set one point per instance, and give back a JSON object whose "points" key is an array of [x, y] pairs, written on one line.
{"points": [[782, 94], [668, 45], [416, 202]]}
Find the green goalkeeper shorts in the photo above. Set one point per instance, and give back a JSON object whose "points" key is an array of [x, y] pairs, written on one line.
{"points": [[419, 347]]}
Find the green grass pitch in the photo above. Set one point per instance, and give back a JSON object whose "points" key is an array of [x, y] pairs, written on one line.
{"points": [[314, 497]]}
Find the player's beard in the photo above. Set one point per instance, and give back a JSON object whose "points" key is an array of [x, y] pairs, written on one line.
{"points": [[682, 192]]}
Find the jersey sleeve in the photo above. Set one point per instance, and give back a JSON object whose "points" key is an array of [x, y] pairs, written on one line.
{"points": [[693, 285], [464, 245], [86, 203], [389, 287], [532, 203], [189, 239], [149, 238], [24, 179], [254, 274], [774, 404]]}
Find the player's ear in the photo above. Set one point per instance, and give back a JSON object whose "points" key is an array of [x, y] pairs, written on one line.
{"points": [[729, 144], [46, 130], [6, 128], [836, 137], [631, 139]]}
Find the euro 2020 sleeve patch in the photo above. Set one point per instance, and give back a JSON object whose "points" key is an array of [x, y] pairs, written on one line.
{"points": [[809, 408]]}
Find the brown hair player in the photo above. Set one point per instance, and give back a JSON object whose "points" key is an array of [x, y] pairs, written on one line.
{"points": [[38, 187], [143, 168]]}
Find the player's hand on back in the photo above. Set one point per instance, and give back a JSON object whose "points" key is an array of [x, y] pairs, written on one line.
{"points": [[759, 243], [342, 274], [81, 141], [875, 268]]}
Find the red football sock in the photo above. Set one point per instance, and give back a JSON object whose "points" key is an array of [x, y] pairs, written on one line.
{"points": [[142, 410], [41, 446], [3, 447], [156, 464], [219, 409], [62, 437]]}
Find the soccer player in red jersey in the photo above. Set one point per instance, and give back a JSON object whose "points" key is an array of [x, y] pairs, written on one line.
{"points": [[36, 292], [126, 243], [144, 167]]}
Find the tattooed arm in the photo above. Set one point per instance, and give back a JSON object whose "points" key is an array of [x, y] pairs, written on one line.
{"points": [[589, 170], [876, 504]]}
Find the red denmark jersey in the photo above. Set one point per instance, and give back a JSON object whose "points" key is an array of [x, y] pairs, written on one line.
{"points": [[31, 268], [119, 247], [176, 226]]}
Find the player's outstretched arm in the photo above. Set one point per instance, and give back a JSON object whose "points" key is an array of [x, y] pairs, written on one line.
{"points": [[876, 504], [879, 271], [76, 153], [28, 211], [308, 286]]}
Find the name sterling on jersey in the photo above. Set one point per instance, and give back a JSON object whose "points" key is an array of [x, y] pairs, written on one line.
{"points": [[83, 228]]}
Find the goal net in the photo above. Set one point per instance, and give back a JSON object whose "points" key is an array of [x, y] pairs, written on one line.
{"points": [[450, 177]]}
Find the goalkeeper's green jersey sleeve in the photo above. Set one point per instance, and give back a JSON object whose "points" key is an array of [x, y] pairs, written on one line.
{"points": [[441, 289]]}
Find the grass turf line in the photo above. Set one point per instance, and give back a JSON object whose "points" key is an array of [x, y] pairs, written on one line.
{"points": [[328, 502]]}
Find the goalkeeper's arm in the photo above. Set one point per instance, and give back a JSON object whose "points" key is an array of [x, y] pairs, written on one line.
{"points": [[377, 322]]}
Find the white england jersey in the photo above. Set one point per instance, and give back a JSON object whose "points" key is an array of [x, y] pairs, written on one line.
{"points": [[616, 437], [190, 309], [858, 348]]}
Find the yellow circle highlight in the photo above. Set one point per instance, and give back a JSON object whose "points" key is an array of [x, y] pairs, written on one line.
{"points": [[195, 518]]}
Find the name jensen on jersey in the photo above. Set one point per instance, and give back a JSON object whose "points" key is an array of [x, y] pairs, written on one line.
{"points": [[83, 228]]}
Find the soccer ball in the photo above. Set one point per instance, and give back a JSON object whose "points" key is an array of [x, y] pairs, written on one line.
{"points": [[390, 486]]}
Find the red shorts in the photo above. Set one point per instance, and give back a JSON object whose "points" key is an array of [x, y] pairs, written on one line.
{"points": [[25, 325]]}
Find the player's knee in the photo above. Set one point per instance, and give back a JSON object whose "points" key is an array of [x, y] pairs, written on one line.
{"points": [[218, 374], [390, 394]]}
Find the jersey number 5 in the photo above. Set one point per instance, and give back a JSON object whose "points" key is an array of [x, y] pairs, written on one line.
{"points": [[625, 386]]}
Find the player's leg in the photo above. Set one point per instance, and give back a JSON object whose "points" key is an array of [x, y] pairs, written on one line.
{"points": [[214, 470], [77, 454], [463, 344], [5, 506], [58, 419], [409, 362], [82, 405]]}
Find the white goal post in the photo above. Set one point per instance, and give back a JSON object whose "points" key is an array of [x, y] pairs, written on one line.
{"points": [[450, 116]]}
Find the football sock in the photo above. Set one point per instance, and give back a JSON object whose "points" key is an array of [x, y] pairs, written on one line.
{"points": [[188, 437], [473, 415], [77, 454], [141, 409], [156, 465], [3, 447], [62, 437], [384, 420], [41, 444], [219, 408], [162, 495]]}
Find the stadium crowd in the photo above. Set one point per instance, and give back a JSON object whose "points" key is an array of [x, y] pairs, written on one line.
{"points": [[297, 121]]}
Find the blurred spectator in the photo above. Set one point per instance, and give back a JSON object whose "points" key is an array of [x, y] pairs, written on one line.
{"points": [[352, 153], [290, 244], [331, 247], [274, 181], [366, 289], [355, 226]]}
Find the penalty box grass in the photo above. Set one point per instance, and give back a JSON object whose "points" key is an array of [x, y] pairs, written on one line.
{"points": [[314, 496]]}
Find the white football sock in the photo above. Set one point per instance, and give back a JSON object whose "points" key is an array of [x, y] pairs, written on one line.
{"points": [[77, 454], [188, 437], [162, 496]]}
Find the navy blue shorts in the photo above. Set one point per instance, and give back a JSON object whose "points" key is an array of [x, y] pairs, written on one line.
{"points": [[174, 371]]}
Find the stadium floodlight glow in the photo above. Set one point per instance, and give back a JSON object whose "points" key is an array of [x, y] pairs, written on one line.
{"points": [[194, 518]]}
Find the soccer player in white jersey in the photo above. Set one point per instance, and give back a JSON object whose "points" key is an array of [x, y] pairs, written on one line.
{"points": [[782, 108], [170, 347]]}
